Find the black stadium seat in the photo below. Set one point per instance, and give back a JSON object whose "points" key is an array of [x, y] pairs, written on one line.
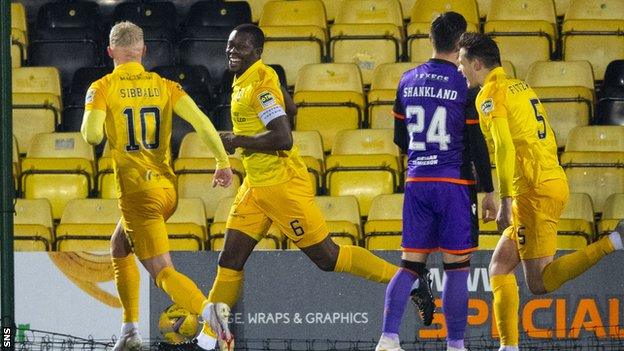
{"points": [[74, 101], [195, 80], [613, 83]]}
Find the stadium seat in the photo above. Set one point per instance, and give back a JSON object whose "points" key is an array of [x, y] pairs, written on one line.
{"points": [[311, 150], [575, 229], [509, 68], [200, 185], [613, 83], [329, 97], [342, 216], [195, 80], [187, 225], [59, 167], [196, 157], [69, 20], [271, 241], [597, 25], [594, 146], [73, 110], [566, 89], [419, 47], [205, 33], [363, 184], [610, 111], [484, 7], [382, 93], [19, 33], [488, 232], [45, 53], [613, 212], [87, 225], [255, 8], [382, 230], [105, 176], [295, 34], [521, 24], [561, 7], [406, 8], [367, 33], [331, 9], [32, 225], [16, 162], [598, 182]]}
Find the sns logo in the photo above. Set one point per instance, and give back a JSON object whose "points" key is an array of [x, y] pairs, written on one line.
{"points": [[266, 99], [487, 106], [6, 337]]}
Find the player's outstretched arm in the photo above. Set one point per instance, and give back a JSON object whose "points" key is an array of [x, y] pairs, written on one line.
{"points": [[92, 128], [505, 154]]}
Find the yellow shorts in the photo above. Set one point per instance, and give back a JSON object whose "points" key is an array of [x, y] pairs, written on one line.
{"points": [[289, 205], [535, 217], [143, 216]]}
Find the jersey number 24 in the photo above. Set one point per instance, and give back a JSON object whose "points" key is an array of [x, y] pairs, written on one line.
{"points": [[436, 130]]}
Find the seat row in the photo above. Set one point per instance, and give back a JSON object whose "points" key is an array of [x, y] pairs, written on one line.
{"points": [[87, 224]]}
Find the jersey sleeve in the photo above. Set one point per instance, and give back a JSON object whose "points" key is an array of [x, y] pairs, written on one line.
{"points": [[268, 101], [95, 99], [398, 110], [491, 101], [175, 91]]}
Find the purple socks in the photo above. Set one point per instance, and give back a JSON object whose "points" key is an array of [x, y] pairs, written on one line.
{"points": [[397, 295], [455, 306]]}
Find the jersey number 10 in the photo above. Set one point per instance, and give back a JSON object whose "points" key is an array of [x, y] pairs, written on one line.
{"points": [[436, 131], [144, 113]]}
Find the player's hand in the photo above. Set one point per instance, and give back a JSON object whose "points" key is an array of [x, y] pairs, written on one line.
{"points": [[503, 219], [488, 208], [227, 138], [222, 177]]}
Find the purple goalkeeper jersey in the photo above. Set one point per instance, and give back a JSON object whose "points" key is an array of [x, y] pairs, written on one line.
{"points": [[431, 99]]}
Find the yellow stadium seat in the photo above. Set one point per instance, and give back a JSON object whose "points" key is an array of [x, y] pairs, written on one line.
{"points": [[509, 68], [105, 176], [187, 225], [419, 48], [59, 167], [32, 225], [310, 148], [295, 34], [561, 74], [37, 102], [425, 11], [87, 225], [383, 229], [363, 184], [16, 162], [16, 55], [200, 185], [566, 108], [597, 25], [484, 7], [598, 182], [381, 97], [342, 216], [194, 156], [271, 241], [594, 146], [330, 98], [613, 212], [406, 8], [519, 24], [367, 33], [576, 223], [19, 28]]}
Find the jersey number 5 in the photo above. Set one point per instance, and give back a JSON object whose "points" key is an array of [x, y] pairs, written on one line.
{"points": [[540, 133], [436, 131], [147, 114]]}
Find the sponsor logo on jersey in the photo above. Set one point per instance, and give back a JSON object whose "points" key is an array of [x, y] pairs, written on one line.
{"points": [[487, 106], [266, 99], [90, 95]]}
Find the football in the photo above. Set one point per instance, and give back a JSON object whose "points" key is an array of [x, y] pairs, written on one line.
{"points": [[177, 325]]}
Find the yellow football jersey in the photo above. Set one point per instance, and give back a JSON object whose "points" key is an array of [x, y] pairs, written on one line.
{"points": [[256, 100], [138, 107], [533, 139]]}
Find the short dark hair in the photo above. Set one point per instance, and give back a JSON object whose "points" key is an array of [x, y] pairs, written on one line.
{"points": [[257, 36], [482, 47], [446, 30]]}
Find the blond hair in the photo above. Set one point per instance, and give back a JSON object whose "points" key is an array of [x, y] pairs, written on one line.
{"points": [[126, 34]]}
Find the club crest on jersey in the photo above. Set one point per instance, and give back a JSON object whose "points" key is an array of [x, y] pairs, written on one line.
{"points": [[90, 95], [487, 106], [266, 99]]}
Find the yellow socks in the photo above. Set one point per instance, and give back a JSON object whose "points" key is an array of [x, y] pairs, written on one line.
{"points": [[361, 262], [226, 287], [506, 304], [572, 265], [181, 289], [127, 280]]}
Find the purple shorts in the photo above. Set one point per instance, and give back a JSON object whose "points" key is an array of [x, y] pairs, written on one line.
{"points": [[440, 216]]}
